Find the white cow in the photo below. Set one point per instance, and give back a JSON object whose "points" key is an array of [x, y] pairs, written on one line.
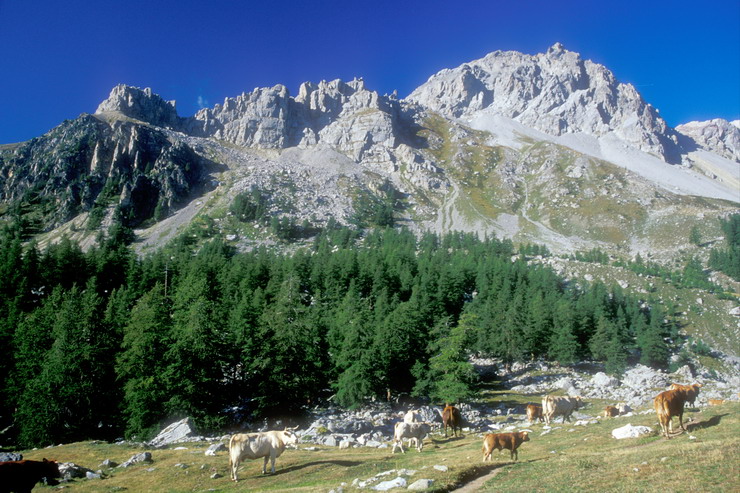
{"points": [[267, 444], [412, 431], [411, 416], [559, 406]]}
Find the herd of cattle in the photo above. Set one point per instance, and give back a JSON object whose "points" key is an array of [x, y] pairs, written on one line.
{"points": [[21, 476], [271, 444]]}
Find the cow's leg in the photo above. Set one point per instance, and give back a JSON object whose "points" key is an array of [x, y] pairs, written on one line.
{"points": [[264, 464], [234, 465], [272, 459], [680, 420]]}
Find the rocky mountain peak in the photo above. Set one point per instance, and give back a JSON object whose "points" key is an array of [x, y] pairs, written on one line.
{"points": [[719, 136], [140, 104], [556, 92]]}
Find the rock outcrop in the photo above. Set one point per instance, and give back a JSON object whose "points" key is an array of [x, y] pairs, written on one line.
{"points": [[556, 92], [140, 104], [718, 136]]}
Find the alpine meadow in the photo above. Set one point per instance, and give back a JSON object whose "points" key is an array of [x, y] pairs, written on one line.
{"points": [[518, 226]]}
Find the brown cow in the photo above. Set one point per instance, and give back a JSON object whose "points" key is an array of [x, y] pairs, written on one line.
{"points": [[500, 441], [715, 402], [534, 411], [22, 475], [692, 391], [611, 412], [451, 417], [668, 404]]}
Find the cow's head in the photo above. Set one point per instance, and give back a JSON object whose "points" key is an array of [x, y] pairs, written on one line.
{"points": [[289, 436], [51, 470], [524, 435]]}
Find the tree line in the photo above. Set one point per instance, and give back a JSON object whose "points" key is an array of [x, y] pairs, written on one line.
{"points": [[104, 343]]}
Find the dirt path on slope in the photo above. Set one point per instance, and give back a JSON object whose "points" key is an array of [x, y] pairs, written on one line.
{"points": [[477, 484]]}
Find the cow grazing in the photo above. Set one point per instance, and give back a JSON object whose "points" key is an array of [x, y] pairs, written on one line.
{"points": [[267, 444], [691, 391], [553, 406], [451, 417], [623, 408], [534, 411], [22, 475], [715, 402], [412, 431], [500, 441], [611, 412], [668, 404]]}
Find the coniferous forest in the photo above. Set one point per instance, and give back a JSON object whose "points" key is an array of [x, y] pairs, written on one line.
{"points": [[103, 343]]}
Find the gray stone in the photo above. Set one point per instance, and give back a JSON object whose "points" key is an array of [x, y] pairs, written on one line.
{"points": [[216, 447], [399, 482], [144, 457], [601, 379], [93, 475], [9, 456], [629, 431], [108, 463], [441, 468], [70, 470], [421, 484], [172, 433]]}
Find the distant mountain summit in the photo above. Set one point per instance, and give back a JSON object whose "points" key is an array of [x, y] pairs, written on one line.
{"points": [[718, 136], [556, 92], [546, 148]]}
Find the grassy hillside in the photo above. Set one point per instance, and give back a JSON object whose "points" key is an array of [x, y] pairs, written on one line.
{"points": [[582, 458]]}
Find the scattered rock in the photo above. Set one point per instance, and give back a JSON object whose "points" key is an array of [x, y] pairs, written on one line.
{"points": [[421, 484], [70, 470], [601, 379], [8, 456], [144, 457], [441, 468], [173, 433], [629, 431], [216, 447], [93, 475], [216, 475], [399, 482]]}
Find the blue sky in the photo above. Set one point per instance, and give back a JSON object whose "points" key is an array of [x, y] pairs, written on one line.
{"points": [[61, 58]]}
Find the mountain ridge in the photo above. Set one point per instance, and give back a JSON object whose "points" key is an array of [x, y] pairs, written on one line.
{"points": [[511, 144]]}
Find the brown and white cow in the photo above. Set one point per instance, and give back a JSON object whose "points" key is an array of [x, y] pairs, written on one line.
{"points": [[22, 475], [715, 402], [691, 391], [267, 444], [534, 412], [500, 441], [668, 404], [451, 417], [553, 406], [413, 431]]}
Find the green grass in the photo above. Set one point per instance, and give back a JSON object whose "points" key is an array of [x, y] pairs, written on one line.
{"points": [[584, 459]]}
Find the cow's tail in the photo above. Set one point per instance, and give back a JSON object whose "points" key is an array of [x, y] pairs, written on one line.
{"points": [[231, 461]]}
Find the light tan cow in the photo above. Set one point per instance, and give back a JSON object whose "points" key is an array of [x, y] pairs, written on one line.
{"points": [[413, 431], [267, 444], [553, 406]]}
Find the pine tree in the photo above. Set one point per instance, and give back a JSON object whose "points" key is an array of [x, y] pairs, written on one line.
{"points": [[450, 372], [141, 363], [563, 343]]}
